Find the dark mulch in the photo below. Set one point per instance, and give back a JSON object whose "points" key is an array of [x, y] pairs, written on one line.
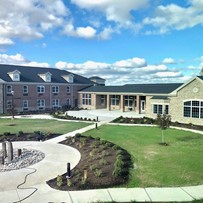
{"points": [[146, 120], [26, 137], [97, 156]]}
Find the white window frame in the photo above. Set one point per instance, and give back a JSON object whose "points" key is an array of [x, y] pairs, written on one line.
{"points": [[192, 108], [163, 107], [9, 104], [115, 100], [41, 103], [25, 104], [40, 89], [55, 89], [68, 89], [55, 103], [16, 77], [25, 92], [87, 99], [9, 89]]}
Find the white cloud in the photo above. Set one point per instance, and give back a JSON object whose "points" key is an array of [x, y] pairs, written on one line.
{"points": [[169, 61], [174, 17], [5, 41], [83, 32], [134, 70], [168, 74], [114, 11], [28, 20], [18, 59]]}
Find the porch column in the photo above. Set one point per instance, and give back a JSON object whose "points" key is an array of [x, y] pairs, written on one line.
{"points": [[108, 107], [138, 104], [122, 103]]}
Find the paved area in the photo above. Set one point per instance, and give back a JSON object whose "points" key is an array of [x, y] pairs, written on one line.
{"points": [[55, 162]]}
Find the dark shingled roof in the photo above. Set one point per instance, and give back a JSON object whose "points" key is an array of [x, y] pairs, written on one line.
{"points": [[136, 88], [201, 77], [96, 77], [31, 74]]}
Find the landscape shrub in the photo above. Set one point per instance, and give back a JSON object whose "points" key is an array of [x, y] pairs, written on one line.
{"points": [[103, 162], [98, 172], [6, 133], [59, 181]]}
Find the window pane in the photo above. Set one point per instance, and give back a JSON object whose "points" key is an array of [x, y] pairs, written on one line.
{"points": [[166, 109], [188, 103], [201, 113], [155, 108], [195, 112], [187, 111], [195, 103], [159, 109]]}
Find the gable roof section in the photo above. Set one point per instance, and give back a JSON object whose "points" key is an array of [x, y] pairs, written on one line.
{"points": [[31, 74], [200, 78], [135, 88]]}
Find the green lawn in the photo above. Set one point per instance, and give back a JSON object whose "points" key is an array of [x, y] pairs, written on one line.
{"points": [[31, 125], [180, 163]]}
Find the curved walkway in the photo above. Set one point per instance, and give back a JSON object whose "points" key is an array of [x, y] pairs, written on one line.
{"points": [[55, 163]]}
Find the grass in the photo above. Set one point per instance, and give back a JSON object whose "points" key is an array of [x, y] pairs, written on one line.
{"points": [[178, 164], [31, 125]]}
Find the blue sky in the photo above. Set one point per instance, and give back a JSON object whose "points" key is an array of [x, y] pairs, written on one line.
{"points": [[131, 41]]}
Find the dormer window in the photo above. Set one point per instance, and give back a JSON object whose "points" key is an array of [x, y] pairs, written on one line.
{"points": [[46, 76], [15, 75], [69, 78]]}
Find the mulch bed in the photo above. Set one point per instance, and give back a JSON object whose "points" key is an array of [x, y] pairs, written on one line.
{"points": [[26, 137], [146, 120], [96, 157]]}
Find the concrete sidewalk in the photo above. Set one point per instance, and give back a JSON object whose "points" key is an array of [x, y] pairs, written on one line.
{"points": [[45, 194], [48, 168]]}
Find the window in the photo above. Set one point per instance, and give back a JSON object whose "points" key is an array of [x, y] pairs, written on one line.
{"points": [[16, 77], [9, 104], [41, 103], [103, 100], [40, 89], [160, 108], [25, 89], [68, 89], [193, 109], [48, 78], [55, 89], [55, 103], [115, 100], [9, 89], [25, 104], [68, 102], [86, 99], [128, 101]]}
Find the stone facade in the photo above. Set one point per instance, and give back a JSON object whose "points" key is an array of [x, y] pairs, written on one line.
{"points": [[192, 91]]}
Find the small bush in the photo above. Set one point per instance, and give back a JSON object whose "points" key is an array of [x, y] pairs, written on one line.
{"points": [[103, 162], [59, 181], [98, 172], [115, 147], [117, 172], [93, 167], [20, 133], [6, 133]]}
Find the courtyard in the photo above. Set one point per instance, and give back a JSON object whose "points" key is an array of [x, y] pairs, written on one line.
{"points": [[160, 173]]}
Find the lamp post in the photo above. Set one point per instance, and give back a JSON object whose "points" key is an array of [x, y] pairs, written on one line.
{"points": [[12, 109]]}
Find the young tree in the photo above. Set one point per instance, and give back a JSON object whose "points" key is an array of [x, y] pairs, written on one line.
{"points": [[163, 121]]}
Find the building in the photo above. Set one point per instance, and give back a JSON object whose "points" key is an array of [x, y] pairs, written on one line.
{"points": [[184, 102], [33, 88]]}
